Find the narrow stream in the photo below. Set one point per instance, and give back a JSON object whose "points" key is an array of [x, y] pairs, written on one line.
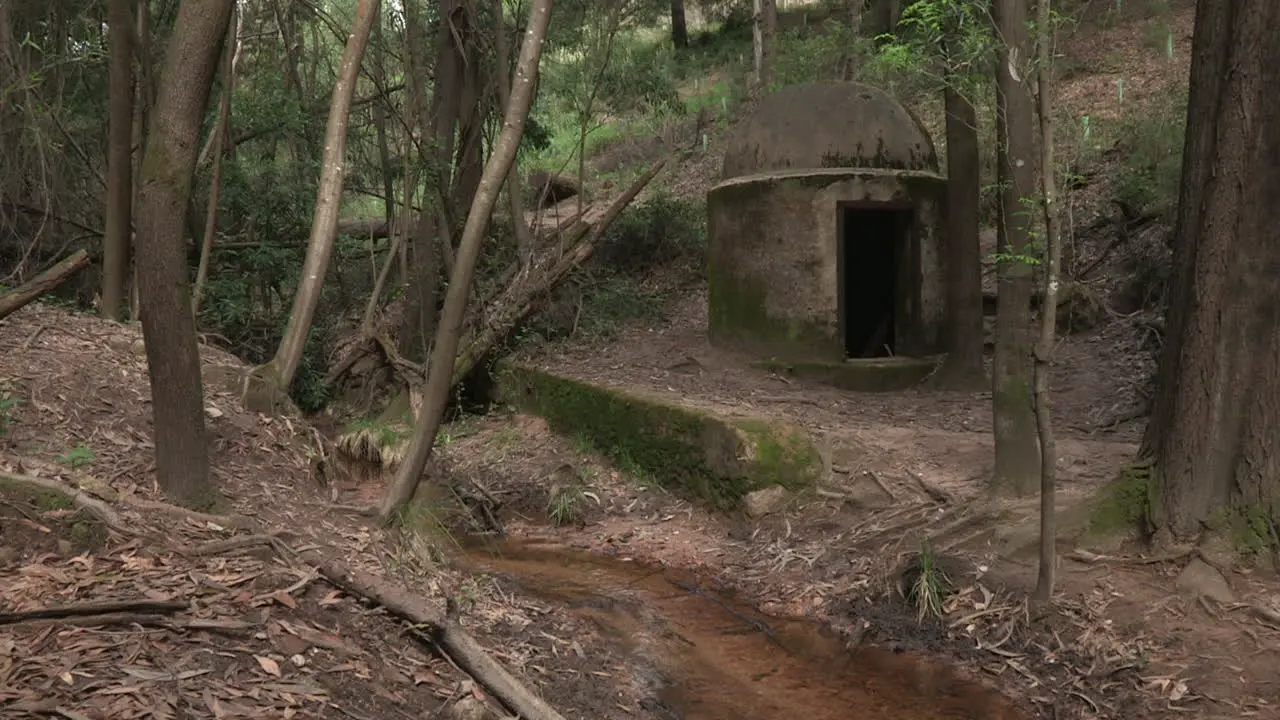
{"points": [[722, 660]]}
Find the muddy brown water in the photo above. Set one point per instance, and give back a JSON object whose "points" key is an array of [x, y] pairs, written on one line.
{"points": [[719, 659]]}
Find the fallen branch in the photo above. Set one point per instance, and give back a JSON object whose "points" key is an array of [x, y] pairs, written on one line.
{"points": [[226, 627], [93, 608], [446, 632], [937, 494], [99, 509], [218, 547], [518, 299], [240, 522], [13, 300]]}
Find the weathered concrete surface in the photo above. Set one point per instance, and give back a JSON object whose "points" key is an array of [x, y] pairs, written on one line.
{"points": [[828, 125], [773, 244]]}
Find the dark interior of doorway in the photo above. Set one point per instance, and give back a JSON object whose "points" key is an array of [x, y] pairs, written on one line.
{"points": [[871, 243]]}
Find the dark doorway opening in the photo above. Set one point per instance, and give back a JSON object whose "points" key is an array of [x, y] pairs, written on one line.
{"points": [[870, 248]]}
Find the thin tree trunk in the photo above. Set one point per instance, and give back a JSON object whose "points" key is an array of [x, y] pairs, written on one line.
{"points": [[524, 235], [1216, 464], [962, 369], [679, 25], [324, 224], [380, 125], [119, 222], [1048, 308], [444, 353], [1017, 452], [222, 132], [168, 329], [143, 99]]}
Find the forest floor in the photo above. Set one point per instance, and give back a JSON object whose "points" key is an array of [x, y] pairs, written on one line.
{"points": [[650, 606]]}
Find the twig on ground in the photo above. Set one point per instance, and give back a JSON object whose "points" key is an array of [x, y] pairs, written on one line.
{"points": [[224, 626], [93, 608], [447, 633]]}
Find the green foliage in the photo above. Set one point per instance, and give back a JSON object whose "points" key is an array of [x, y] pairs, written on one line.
{"points": [[654, 233], [1149, 173], [567, 505], [8, 403], [77, 457], [937, 42]]}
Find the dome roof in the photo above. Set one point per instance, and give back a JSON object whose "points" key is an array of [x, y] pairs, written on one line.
{"points": [[828, 125]]}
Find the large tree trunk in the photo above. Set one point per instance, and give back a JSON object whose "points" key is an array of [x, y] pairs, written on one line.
{"points": [[424, 252], [1213, 431], [119, 225], [324, 224], [168, 328], [962, 369], [444, 353], [679, 25], [1017, 449]]}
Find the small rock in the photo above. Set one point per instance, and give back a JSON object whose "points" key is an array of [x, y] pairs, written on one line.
{"points": [[469, 708], [1201, 578], [765, 501]]}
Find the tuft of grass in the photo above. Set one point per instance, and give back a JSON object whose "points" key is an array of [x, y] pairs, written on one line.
{"points": [[931, 584], [77, 457], [567, 506]]}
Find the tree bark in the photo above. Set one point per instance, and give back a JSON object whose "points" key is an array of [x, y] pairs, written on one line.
{"points": [[419, 322], [962, 369], [515, 206], [1017, 451], [168, 329], [1213, 436], [119, 215], [679, 25], [443, 355], [222, 130], [1048, 309], [324, 224], [765, 31]]}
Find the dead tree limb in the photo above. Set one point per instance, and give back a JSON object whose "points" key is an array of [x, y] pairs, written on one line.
{"points": [[13, 300], [520, 296], [99, 509], [446, 632], [94, 608]]}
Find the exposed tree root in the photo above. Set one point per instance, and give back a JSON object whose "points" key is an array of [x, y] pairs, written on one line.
{"points": [[98, 508], [93, 608]]}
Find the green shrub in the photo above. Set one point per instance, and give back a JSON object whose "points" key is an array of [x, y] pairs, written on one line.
{"points": [[655, 233]]}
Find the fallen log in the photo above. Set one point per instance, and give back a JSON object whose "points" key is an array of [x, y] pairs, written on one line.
{"points": [[445, 630], [13, 300], [520, 297], [375, 228]]}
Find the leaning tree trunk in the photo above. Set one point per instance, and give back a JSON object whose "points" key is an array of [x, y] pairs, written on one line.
{"points": [[1213, 433], [443, 354], [1017, 450], [962, 369], [168, 328], [280, 371], [119, 226]]}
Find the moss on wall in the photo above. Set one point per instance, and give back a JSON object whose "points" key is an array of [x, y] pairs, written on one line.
{"points": [[736, 312], [692, 452]]}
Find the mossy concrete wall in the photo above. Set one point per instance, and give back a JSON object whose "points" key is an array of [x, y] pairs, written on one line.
{"points": [[690, 451], [772, 261]]}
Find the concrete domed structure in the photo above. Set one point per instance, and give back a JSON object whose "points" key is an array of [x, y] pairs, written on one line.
{"points": [[824, 234]]}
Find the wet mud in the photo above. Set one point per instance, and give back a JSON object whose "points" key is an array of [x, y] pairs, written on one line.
{"points": [[719, 659]]}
